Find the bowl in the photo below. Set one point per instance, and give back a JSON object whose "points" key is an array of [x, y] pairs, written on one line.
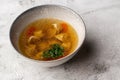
{"points": [[48, 11]]}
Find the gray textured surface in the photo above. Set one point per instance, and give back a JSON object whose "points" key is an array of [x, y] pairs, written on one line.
{"points": [[98, 59]]}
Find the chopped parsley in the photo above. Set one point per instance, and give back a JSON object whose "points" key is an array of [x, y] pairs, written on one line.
{"points": [[54, 52]]}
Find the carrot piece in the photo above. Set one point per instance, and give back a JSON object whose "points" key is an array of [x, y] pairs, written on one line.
{"points": [[30, 31], [64, 27]]}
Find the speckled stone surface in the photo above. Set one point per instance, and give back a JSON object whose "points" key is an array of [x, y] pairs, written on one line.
{"points": [[98, 59]]}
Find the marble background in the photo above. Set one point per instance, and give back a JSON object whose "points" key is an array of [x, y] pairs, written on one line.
{"points": [[98, 59]]}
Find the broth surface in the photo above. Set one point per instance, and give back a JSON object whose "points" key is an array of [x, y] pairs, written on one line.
{"points": [[47, 39]]}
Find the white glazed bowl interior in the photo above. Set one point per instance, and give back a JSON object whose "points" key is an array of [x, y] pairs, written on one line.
{"points": [[48, 11]]}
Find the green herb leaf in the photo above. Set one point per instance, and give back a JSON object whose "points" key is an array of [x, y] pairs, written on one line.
{"points": [[54, 52]]}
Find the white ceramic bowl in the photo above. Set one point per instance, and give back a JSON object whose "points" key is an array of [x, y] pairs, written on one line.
{"points": [[48, 11]]}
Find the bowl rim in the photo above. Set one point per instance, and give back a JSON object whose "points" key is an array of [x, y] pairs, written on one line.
{"points": [[49, 5]]}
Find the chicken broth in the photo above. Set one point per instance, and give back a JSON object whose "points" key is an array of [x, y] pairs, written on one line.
{"points": [[47, 39]]}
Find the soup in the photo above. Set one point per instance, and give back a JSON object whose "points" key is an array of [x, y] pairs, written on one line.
{"points": [[47, 39]]}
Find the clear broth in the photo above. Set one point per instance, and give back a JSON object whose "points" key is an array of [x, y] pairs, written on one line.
{"points": [[39, 35]]}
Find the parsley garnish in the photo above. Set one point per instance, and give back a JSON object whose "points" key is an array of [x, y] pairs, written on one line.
{"points": [[54, 52]]}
